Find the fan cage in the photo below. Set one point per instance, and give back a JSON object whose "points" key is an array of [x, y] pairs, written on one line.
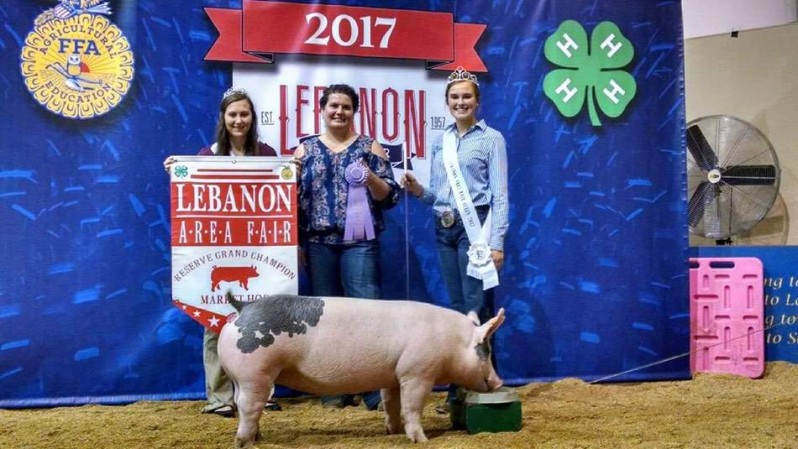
{"points": [[732, 176]]}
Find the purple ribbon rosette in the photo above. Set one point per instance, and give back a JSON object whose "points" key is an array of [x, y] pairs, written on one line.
{"points": [[359, 225]]}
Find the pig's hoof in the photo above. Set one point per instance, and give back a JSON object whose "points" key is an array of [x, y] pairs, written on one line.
{"points": [[242, 444], [419, 438], [393, 428]]}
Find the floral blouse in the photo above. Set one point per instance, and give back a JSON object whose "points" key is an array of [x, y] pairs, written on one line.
{"points": [[323, 190]]}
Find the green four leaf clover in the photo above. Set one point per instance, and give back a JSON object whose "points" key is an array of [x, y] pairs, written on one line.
{"points": [[590, 71], [181, 171]]}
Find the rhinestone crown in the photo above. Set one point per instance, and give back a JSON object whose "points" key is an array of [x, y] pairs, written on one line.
{"points": [[233, 90], [462, 74]]}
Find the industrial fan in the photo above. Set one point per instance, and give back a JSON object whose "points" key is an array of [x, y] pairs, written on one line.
{"points": [[732, 177]]}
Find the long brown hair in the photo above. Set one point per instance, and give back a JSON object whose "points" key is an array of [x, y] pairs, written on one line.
{"points": [[223, 137]]}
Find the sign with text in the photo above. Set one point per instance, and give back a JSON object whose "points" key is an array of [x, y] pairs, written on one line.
{"points": [[234, 228], [781, 294]]}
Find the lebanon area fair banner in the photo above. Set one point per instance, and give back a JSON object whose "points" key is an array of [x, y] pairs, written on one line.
{"points": [[234, 228]]}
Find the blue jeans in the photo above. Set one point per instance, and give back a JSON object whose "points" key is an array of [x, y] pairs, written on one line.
{"points": [[347, 270], [465, 292]]}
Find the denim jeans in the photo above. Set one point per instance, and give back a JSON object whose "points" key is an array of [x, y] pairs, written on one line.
{"points": [[465, 292], [346, 270]]}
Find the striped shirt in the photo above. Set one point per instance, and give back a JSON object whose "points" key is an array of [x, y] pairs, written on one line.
{"points": [[482, 154]]}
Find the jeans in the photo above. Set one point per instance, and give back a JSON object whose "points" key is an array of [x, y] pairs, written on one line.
{"points": [[465, 292], [346, 270]]}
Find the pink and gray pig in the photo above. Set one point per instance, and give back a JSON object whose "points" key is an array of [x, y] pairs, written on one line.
{"points": [[331, 346]]}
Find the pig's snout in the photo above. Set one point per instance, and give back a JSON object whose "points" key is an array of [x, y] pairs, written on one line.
{"points": [[488, 383], [493, 382]]}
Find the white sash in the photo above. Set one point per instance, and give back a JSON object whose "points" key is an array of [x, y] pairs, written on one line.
{"points": [[480, 262]]}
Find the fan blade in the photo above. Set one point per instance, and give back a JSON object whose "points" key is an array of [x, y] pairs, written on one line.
{"points": [[700, 149], [749, 175], [695, 210]]}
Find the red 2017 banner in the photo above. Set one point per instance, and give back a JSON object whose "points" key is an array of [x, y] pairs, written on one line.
{"points": [[263, 28]]}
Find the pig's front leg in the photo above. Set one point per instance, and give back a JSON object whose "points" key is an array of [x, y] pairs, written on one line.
{"points": [[414, 394], [392, 403]]}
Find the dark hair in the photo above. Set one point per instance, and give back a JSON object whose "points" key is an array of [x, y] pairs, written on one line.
{"points": [[449, 85], [340, 89], [223, 137]]}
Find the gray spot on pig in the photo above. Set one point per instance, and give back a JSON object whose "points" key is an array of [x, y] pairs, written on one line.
{"points": [[483, 351], [261, 321]]}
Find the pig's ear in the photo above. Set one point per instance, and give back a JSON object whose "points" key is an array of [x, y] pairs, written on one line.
{"points": [[487, 329]]}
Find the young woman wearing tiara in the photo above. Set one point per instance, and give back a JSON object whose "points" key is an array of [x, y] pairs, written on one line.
{"points": [[236, 135], [468, 193]]}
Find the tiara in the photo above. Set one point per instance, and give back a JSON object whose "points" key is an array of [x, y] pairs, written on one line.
{"points": [[233, 90], [462, 74]]}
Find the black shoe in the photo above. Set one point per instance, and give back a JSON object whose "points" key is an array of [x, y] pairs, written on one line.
{"points": [[338, 401], [333, 403], [374, 407], [272, 406], [224, 411]]}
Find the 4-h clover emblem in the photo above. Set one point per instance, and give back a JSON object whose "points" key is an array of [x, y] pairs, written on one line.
{"points": [[181, 171], [590, 71]]}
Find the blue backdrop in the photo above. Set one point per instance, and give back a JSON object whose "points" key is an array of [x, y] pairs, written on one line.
{"points": [[595, 281]]}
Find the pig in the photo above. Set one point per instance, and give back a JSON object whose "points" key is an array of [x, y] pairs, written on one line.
{"points": [[230, 274], [330, 346]]}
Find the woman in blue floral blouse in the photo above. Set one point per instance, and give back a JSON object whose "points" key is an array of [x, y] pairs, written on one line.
{"points": [[346, 182]]}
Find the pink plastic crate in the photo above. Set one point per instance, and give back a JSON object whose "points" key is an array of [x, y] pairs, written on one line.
{"points": [[727, 316]]}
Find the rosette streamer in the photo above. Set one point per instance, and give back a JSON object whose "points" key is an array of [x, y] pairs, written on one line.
{"points": [[359, 225]]}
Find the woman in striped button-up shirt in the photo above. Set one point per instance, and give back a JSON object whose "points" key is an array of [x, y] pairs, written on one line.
{"points": [[482, 156]]}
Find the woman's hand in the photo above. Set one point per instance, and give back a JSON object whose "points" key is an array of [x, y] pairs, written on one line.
{"points": [[168, 162], [301, 257], [297, 163], [378, 188], [299, 153], [412, 185], [498, 259]]}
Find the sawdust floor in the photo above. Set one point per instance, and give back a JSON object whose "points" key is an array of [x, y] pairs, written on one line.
{"points": [[710, 411]]}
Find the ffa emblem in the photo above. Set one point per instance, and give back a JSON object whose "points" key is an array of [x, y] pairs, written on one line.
{"points": [[75, 62], [286, 173]]}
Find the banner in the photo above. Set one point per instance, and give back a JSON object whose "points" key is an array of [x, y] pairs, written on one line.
{"points": [[234, 228], [260, 29], [401, 104]]}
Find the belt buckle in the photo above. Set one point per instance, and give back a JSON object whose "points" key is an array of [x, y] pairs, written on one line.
{"points": [[447, 219]]}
